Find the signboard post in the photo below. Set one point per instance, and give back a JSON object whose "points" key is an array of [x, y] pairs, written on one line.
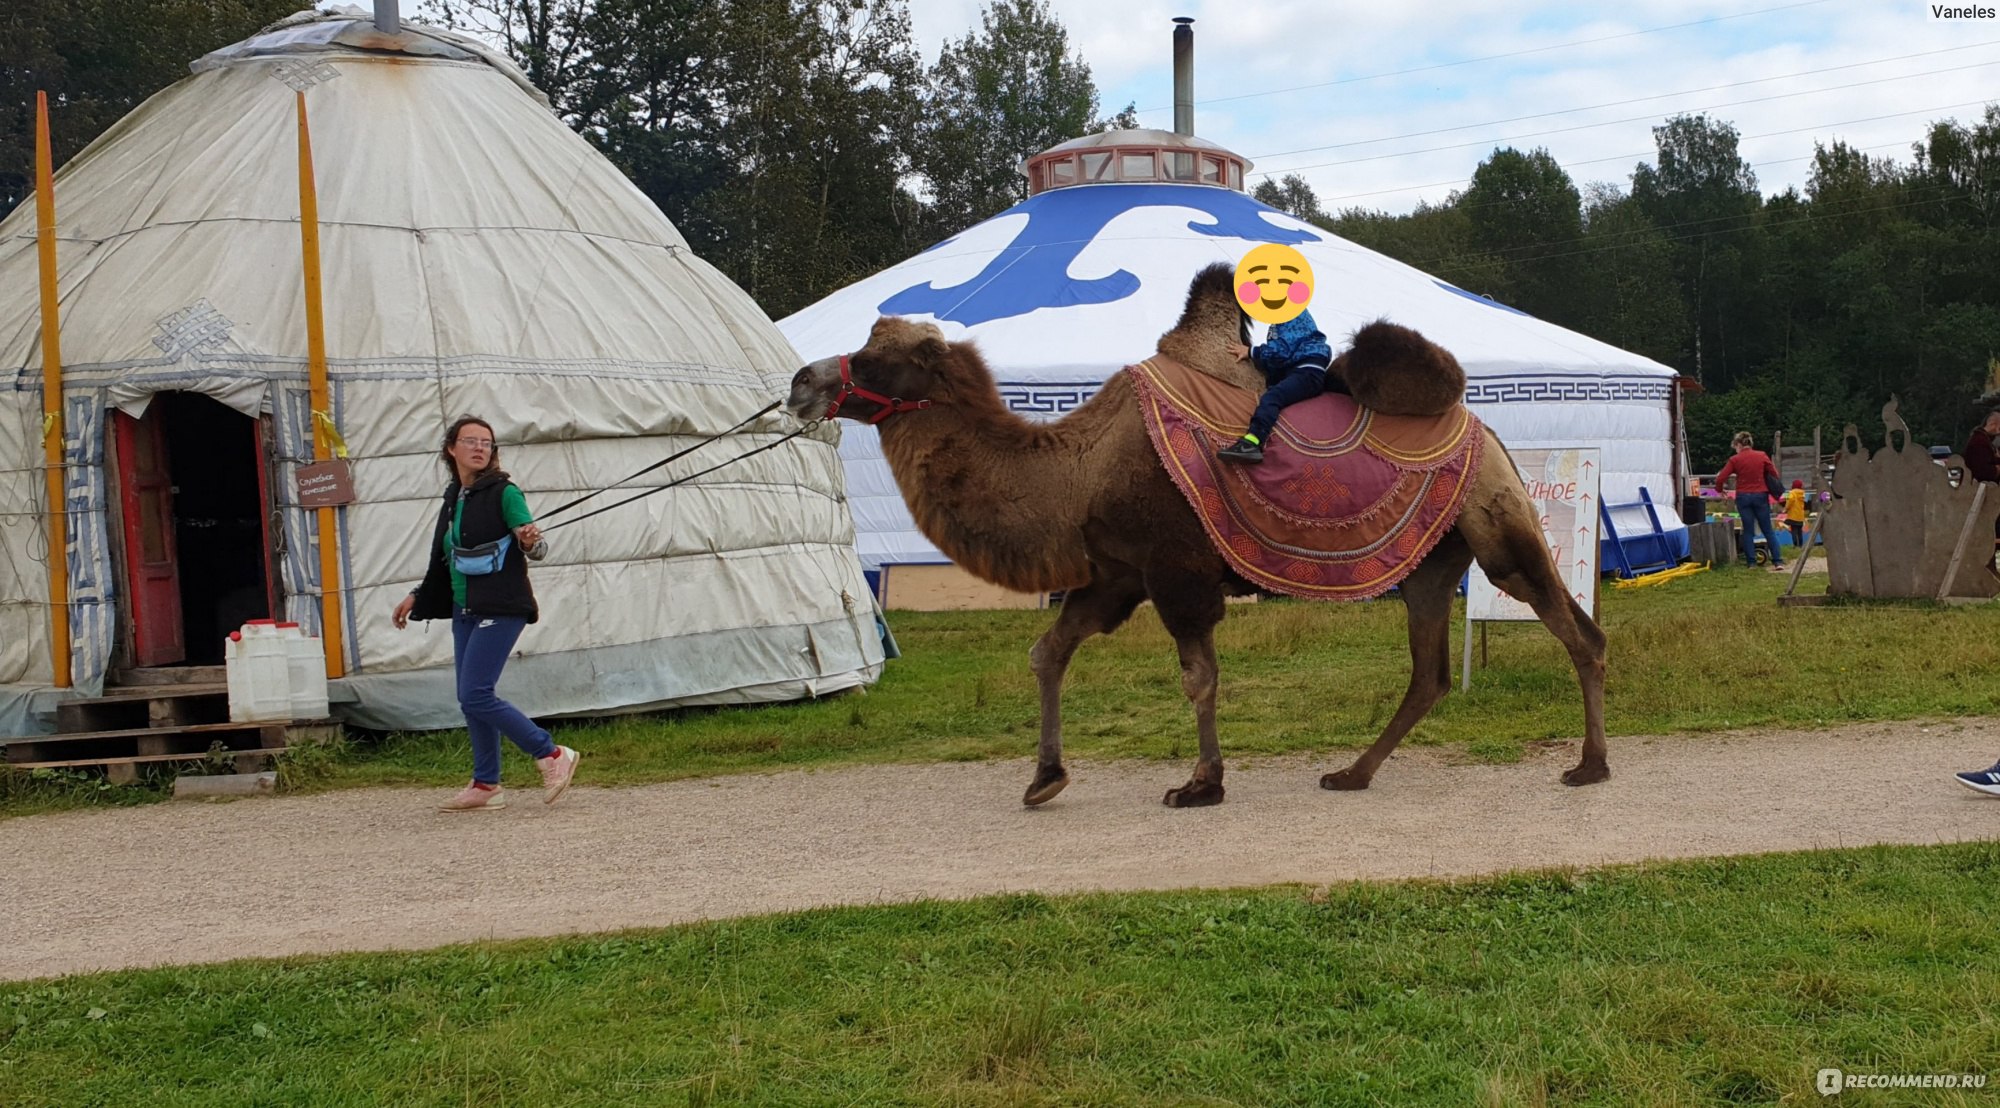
{"points": [[1563, 484]]}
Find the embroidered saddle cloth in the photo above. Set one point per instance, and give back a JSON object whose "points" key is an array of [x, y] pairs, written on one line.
{"points": [[1346, 502]]}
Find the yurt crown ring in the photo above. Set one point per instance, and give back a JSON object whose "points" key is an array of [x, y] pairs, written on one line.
{"points": [[888, 406]]}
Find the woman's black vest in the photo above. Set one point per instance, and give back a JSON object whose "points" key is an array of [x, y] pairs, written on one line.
{"points": [[505, 593]]}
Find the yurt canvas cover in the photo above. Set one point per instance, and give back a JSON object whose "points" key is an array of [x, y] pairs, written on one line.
{"points": [[478, 257], [1066, 288]]}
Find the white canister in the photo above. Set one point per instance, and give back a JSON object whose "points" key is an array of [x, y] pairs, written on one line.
{"points": [[258, 666], [306, 663]]}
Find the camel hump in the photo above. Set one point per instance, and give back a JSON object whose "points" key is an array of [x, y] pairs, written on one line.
{"points": [[1397, 371]]}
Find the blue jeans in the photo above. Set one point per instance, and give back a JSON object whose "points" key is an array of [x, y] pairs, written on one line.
{"points": [[479, 649], [1755, 507], [1299, 384]]}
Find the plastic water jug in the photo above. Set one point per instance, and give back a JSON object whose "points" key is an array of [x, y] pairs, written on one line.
{"points": [[257, 662], [305, 657]]}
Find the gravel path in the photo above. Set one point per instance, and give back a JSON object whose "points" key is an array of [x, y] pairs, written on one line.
{"points": [[377, 869]]}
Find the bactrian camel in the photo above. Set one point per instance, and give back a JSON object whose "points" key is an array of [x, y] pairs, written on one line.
{"points": [[1084, 505]]}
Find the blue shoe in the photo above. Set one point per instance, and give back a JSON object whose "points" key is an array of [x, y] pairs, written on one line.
{"points": [[1985, 780]]}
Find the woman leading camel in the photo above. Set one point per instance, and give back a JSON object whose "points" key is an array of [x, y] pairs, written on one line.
{"points": [[478, 578]]}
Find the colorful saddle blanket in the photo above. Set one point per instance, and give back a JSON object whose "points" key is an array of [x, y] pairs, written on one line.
{"points": [[1346, 502]]}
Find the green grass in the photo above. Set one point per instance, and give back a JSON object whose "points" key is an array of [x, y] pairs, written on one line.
{"points": [[1725, 981], [1707, 653]]}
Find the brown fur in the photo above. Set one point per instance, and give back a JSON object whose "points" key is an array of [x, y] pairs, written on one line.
{"points": [[1084, 504], [1397, 371]]}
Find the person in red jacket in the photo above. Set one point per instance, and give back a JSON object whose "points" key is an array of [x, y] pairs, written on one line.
{"points": [[1756, 483], [1980, 459]]}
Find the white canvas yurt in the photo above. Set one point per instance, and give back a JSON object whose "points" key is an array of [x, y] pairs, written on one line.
{"points": [[1080, 280], [478, 257]]}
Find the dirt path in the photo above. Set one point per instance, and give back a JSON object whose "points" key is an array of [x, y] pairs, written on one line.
{"points": [[378, 869]]}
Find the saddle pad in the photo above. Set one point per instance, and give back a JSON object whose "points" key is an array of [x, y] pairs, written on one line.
{"points": [[1346, 502]]}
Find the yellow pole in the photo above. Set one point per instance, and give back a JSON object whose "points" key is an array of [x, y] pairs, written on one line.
{"points": [[322, 403], [52, 397]]}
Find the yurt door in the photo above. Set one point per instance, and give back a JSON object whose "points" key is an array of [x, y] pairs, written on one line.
{"points": [[152, 569]]}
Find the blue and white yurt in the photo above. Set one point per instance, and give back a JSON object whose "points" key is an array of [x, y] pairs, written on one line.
{"points": [[1066, 288]]}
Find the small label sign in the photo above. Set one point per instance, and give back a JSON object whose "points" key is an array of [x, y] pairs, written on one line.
{"points": [[327, 484]]}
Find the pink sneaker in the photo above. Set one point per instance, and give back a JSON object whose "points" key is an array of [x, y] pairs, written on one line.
{"points": [[475, 798], [557, 769]]}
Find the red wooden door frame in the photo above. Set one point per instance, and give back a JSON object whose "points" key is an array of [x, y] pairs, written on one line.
{"points": [[268, 509], [152, 568]]}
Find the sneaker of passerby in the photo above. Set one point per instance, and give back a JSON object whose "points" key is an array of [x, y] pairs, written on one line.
{"points": [[1982, 780], [557, 769], [476, 797]]}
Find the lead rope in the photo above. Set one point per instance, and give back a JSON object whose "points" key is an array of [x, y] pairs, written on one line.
{"points": [[803, 428], [755, 416]]}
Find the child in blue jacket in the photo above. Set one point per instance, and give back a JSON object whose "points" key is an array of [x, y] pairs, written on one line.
{"points": [[1293, 358]]}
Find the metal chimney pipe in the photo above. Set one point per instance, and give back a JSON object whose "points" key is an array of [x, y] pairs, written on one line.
{"points": [[1183, 75], [387, 19]]}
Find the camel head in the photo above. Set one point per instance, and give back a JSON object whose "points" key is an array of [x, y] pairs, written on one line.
{"points": [[899, 370]]}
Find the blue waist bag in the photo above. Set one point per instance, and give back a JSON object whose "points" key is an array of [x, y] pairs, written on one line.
{"points": [[478, 561]]}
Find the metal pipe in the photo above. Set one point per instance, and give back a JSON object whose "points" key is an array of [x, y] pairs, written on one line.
{"points": [[387, 19], [1183, 75]]}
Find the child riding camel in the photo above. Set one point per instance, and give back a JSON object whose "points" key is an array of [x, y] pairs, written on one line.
{"points": [[1274, 283]]}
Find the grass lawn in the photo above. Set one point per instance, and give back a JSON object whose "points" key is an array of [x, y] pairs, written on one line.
{"points": [[1710, 652], [1724, 981]]}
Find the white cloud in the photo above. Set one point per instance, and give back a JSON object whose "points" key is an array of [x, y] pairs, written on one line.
{"points": [[1274, 47]]}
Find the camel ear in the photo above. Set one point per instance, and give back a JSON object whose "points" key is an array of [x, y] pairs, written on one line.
{"points": [[884, 325], [930, 349]]}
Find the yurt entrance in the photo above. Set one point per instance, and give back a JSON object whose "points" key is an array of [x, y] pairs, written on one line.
{"points": [[194, 506]]}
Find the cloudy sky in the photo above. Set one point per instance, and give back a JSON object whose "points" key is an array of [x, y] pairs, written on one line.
{"points": [[1380, 105]]}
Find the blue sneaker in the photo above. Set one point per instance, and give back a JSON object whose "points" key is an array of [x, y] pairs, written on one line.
{"points": [[1985, 780]]}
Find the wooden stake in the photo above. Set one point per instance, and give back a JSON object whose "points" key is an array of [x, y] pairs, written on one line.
{"points": [[1964, 536], [52, 399], [322, 402]]}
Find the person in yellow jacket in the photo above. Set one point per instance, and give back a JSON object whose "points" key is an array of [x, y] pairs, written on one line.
{"points": [[1795, 515]]}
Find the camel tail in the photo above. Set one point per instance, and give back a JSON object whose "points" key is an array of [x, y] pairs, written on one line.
{"points": [[1397, 371]]}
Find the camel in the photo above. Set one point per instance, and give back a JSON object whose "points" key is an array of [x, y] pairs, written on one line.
{"points": [[1084, 505]]}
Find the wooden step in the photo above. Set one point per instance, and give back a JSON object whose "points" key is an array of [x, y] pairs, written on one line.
{"points": [[157, 743], [235, 756], [155, 676], [154, 706]]}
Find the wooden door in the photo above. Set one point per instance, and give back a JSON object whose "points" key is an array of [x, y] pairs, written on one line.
{"points": [[152, 571]]}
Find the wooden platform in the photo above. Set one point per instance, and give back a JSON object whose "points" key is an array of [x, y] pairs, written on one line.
{"points": [[176, 715]]}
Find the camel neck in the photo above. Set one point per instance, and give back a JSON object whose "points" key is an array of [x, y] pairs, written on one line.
{"points": [[1001, 496]]}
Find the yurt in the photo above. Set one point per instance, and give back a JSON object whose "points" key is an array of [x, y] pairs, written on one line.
{"points": [[477, 257], [1082, 278]]}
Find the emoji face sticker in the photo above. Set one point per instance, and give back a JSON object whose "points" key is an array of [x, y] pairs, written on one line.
{"points": [[1273, 283]]}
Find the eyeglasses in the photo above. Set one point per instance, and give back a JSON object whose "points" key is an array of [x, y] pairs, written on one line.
{"points": [[476, 444]]}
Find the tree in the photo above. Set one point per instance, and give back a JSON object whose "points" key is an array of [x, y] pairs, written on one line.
{"points": [[1292, 195], [97, 60], [1524, 210], [1624, 289], [996, 97], [1703, 196]]}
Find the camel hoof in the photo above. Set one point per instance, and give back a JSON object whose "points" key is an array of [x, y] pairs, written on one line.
{"points": [[1346, 781], [1587, 774], [1194, 794], [1049, 780]]}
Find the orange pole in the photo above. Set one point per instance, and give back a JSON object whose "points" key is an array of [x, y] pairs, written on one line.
{"points": [[52, 398], [322, 403]]}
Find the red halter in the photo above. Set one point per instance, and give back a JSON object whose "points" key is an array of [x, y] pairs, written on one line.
{"points": [[889, 407]]}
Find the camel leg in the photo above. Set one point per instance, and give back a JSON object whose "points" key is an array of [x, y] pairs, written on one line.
{"points": [[1427, 594], [1097, 608], [1190, 610], [1521, 566]]}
